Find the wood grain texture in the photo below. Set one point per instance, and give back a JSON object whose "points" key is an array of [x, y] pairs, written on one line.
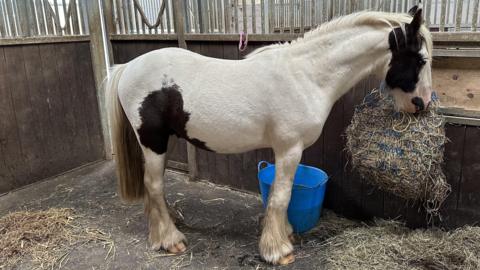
{"points": [[47, 122]]}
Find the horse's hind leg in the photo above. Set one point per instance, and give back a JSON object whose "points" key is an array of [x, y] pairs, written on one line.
{"points": [[162, 230], [275, 245]]}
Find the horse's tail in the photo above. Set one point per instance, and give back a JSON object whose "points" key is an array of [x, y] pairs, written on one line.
{"points": [[126, 149]]}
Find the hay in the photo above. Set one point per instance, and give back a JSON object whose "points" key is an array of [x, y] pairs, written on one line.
{"points": [[390, 245], [398, 152], [44, 237]]}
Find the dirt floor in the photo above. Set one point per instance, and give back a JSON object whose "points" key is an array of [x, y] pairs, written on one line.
{"points": [[221, 225]]}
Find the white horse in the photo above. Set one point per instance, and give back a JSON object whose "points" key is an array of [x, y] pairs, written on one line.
{"points": [[278, 97]]}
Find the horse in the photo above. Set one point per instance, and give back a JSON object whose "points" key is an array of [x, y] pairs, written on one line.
{"points": [[278, 97]]}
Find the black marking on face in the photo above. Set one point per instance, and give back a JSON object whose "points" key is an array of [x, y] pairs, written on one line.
{"points": [[407, 62], [163, 115]]}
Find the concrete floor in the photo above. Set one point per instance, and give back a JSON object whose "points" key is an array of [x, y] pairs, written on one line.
{"points": [[221, 225]]}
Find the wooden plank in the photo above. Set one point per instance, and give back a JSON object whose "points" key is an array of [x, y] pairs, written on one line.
{"points": [[38, 40], [458, 88], [87, 91], [58, 132], [67, 93], [469, 197], [101, 60], [453, 170], [179, 23], [12, 167], [39, 100], [24, 111]]}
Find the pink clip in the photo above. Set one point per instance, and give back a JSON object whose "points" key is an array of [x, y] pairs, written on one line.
{"points": [[242, 43]]}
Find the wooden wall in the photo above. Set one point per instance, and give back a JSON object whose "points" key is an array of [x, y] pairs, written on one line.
{"points": [[49, 121], [347, 193]]}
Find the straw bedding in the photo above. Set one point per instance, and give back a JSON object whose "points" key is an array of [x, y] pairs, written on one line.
{"points": [[44, 238], [398, 152], [390, 245]]}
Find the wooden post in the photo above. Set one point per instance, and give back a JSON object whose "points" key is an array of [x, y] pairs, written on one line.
{"points": [[101, 61], [179, 21]]}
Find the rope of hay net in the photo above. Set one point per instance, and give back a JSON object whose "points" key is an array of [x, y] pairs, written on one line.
{"points": [[399, 152]]}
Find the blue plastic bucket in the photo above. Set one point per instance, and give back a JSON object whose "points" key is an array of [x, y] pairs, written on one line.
{"points": [[308, 193]]}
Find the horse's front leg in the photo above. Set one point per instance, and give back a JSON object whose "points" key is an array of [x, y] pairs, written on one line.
{"points": [[275, 245]]}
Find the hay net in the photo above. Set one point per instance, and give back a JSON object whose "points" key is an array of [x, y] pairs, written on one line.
{"points": [[399, 152]]}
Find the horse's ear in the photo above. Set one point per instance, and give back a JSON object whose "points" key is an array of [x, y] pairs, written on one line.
{"points": [[417, 20], [413, 10]]}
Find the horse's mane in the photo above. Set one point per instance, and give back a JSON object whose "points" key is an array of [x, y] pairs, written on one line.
{"points": [[372, 18]]}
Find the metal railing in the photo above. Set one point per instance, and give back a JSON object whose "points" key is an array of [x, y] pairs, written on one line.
{"points": [[277, 16], [33, 18]]}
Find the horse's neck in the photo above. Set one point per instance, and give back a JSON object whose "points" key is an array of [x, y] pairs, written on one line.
{"points": [[338, 60]]}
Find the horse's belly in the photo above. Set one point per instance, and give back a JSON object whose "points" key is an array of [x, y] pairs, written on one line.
{"points": [[224, 134]]}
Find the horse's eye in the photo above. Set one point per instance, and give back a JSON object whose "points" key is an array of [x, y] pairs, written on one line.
{"points": [[422, 62]]}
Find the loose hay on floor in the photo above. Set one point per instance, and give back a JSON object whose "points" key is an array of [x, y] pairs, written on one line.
{"points": [[44, 237], [399, 152], [390, 245]]}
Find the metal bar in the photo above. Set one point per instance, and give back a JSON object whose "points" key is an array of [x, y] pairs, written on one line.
{"points": [[262, 16], [313, 20], [162, 25], [3, 23], [169, 25], [244, 13], [442, 15], [302, 16], [221, 28], [228, 15], [291, 20], [119, 10], [15, 17], [73, 11], [235, 14], [458, 16], [428, 10], [134, 17], [129, 16], [270, 16], [42, 30], [254, 23], [82, 9], [475, 15], [58, 26], [66, 27], [282, 16], [124, 9]]}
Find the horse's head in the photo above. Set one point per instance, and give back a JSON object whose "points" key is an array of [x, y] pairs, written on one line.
{"points": [[409, 72]]}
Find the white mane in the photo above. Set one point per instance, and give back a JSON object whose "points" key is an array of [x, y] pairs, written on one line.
{"points": [[372, 18]]}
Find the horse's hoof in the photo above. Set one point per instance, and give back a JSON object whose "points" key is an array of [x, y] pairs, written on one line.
{"points": [[290, 258], [177, 248]]}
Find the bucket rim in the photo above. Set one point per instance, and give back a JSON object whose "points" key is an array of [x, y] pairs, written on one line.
{"points": [[295, 186]]}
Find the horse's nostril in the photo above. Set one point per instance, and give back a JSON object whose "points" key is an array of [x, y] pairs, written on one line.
{"points": [[418, 102]]}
